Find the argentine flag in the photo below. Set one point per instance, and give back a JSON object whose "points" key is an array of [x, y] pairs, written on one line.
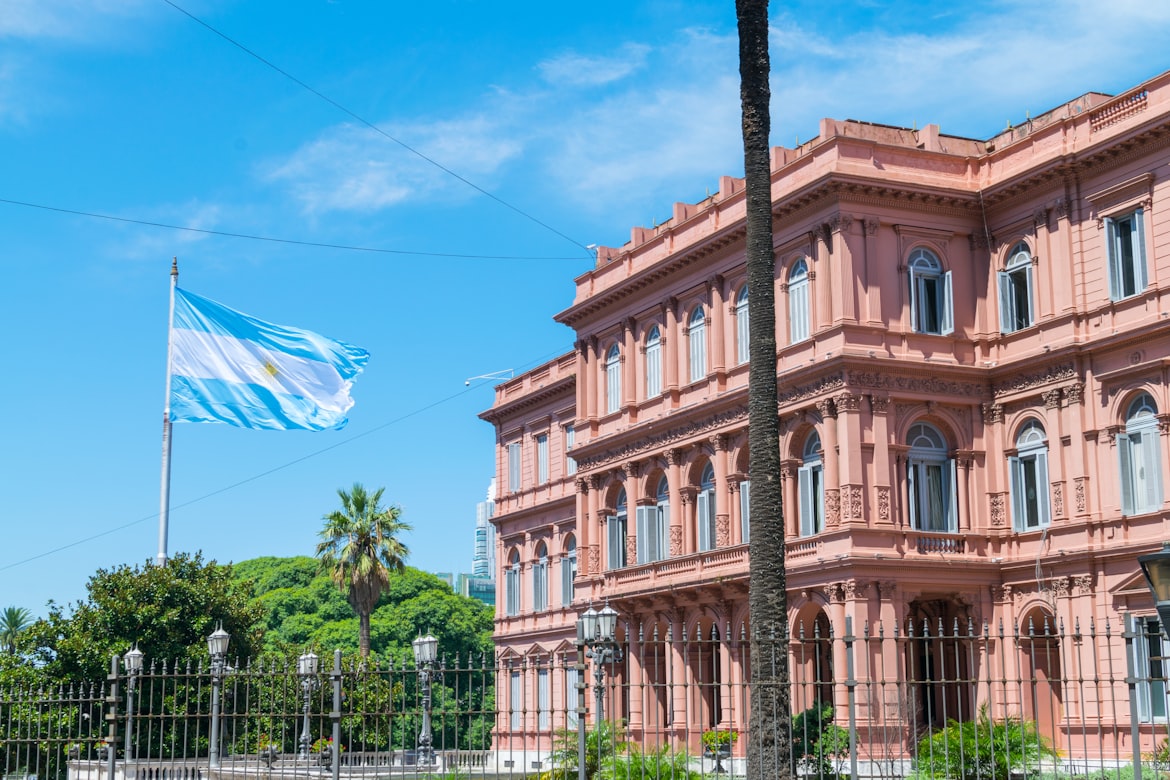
{"points": [[231, 368]]}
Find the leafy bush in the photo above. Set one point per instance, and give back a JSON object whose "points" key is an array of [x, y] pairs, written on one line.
{"points": [[817, 743], [662, 764], [982, 749], [603, 742], [718, 739]]}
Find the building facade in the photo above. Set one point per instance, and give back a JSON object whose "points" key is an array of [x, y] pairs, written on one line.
{"points": [[974, 407]]}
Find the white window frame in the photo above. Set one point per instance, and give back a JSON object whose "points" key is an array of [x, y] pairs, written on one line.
{"points": [[1029, 476], [1015, 292], [568, 571], [542, 458], [653, 520], [540, 580], [705, 509], [798, 302], [927, 280], [811, 488], [697, 341], [1125, 244], [742, 327], [543, 700], [570, 440], [928, 452], [512, 587], [515, 702], [613, 379], [1140, 460], [615, 535], [515, 465], [653, 363], [1150, 648], [572, 697], [745, 510]]}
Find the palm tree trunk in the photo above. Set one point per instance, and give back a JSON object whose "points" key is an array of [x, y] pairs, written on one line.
{"points": [[768, 738], [364, 633]]}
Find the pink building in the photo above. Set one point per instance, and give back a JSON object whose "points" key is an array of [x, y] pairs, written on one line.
{"points": [[975, 394]]}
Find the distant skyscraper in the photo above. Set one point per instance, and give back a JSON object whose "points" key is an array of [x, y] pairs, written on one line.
{"points": [[483, 565]]}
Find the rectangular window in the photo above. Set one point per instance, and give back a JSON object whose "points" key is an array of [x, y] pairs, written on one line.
{"points": [[654, 369], [615, 530], [515, 703], [650, 534], [512, 591], [745, 514], [1029, 491], [742, 332], [1126, 247], [697, 337], [543, 701], [1015, 299], [570, 461], [572, 697], [540, 585], [812, 499], [798, 312], [568, 575], [932, 496], [706, 510], [542, 459], [1150, 651], [1141, 472], [514, 467]]}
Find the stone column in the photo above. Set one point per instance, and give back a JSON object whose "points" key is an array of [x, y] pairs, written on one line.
{"points": [[964, 459], [734, 513], [1054, 430], [830, 459], [718, 319], [629, 361], [637, 682], [788, 472], [671, 339], [678, 674], [677, 515], [884, 514], [722, 521], [690, 540], [584, 513], [851, 473], [844, 306], [872, 275]]}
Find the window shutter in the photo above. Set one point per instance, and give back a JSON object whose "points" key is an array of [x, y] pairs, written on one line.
{"points": [[543, 700], [571, 699], [1016, 472], [947, 315], [1113, 259], [1153, 471], [1007, 318], [643, 538], [1042, 489], [1127, 476], [1031, 295], [663, 534], [566, 581], [805, 487], [515, 701], [912, 490], [704, 522], [741, 331], [745, 515], [950, 494], [614, 542], [1141, 664], [914, 294]]}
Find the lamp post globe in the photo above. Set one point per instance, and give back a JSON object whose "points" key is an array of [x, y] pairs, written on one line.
{"points": [[1156, 567]]}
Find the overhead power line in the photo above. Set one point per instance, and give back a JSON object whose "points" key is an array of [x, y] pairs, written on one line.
{"points": [[358, 118], [229, 234]]}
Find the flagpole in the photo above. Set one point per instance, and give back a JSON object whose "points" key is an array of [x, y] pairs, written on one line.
{"points": [[165, 492]]}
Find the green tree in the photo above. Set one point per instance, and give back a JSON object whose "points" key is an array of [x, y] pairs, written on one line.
{"points": [[167, 610], [768, 737], [13, 622], [360, 547]]}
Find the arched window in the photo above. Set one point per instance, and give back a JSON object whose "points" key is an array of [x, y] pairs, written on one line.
{"points": [[798, 312], [613, 379], [615, 534], [706, 509], [745, 510], [1029, 467], [568, 570], [1141, 463], [653, 363], [697, 337], [742, 338], [931, 476], [930, 294], [1015, 291], [512, 585], [540, 579], [653, 522], [811, 484]]}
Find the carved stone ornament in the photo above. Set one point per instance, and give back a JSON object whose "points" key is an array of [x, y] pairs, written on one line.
{"points": [[1001, 593], [1074, 393], [848, 402], [879, 404], [1061, 207], [827, 408], [1052, 398], [631, 468], [997, 509], [1079, 492], [840, 223], [675, 541], [1040, 217], [722, 531], [631, 548], [687, 430], [594, 559], [852, 501], [887, 589], [583, 486], [1058, 499], [853, 590], [915, 384], [1046, 376], [992, 413], [883, 503], [822, 385], [1060, 587], [871, 226], [832, 508], [1083, 584]]}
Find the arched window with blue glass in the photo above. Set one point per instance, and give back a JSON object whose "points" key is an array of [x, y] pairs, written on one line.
{"points": [[811, 487], [931, 480], [1029, 472], [931, 308], [1138, 450]]}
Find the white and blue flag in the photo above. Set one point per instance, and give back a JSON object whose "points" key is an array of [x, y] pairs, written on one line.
{"points": [[231, 368]]}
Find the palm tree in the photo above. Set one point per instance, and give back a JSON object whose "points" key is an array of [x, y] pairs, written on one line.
{"points": [[359, 548], [768, 737], [13, 622]]}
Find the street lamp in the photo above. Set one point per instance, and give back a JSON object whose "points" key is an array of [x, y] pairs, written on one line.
{"points": [[307, 671], [132, 662], [217, 645], [1156, 567], [425, 649], [596, 630]]}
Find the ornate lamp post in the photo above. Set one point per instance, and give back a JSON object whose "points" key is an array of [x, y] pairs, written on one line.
{"points": [[425, 649], [307, 671], [1156, 567], [132, 662], [217, 645], [597, 631]]}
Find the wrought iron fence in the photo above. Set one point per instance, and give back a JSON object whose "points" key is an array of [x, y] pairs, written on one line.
{"points": [[924, 700]]}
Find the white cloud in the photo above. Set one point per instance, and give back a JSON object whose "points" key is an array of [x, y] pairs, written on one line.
{"points": [[68, 19], [574, 70]]}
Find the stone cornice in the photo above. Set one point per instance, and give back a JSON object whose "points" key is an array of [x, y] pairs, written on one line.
{"points": [[562, 386]]}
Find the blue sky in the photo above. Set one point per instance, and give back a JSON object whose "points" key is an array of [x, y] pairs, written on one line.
{"points": [[584, 120]]}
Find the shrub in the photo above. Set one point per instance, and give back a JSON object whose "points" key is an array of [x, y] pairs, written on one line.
{"points": [[602, 742], [982, 749], [718, 739], [817, 743], [662, 764]]}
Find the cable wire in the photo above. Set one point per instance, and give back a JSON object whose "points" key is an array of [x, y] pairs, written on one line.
{"points": [[228, 234], [261, 475], [371, 125]]}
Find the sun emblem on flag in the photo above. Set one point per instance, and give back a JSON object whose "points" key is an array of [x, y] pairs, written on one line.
{"points": [[272, 370]]}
